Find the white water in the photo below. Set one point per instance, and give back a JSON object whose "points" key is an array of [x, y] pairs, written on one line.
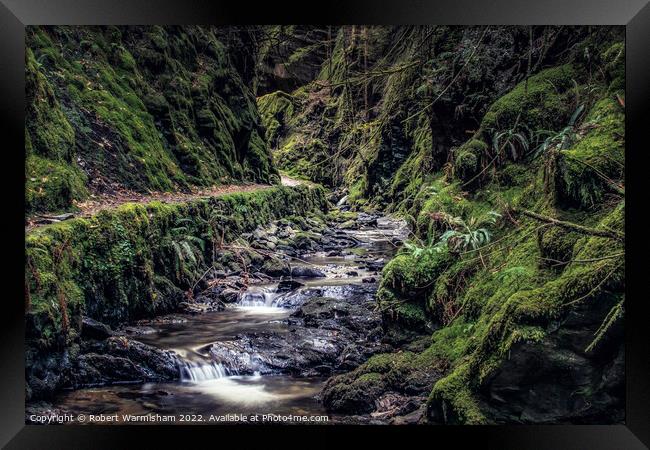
{"points": [[215, 380], [342, 201], [259, 297], [194, 372]]}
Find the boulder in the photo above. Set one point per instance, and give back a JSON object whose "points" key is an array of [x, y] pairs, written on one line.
{"points": [[307, 272], [288, 285], [92, 329], [229, 295], [275, 267]]}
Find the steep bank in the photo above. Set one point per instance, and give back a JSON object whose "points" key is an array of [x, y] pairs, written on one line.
{"points": [[508, 302], [133, 262], [140, 108]]}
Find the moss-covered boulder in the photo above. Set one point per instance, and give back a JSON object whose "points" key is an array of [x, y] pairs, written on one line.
{"points": [[555, 247], [409, 373], [541, 102], [402, 293], [467, 163]]}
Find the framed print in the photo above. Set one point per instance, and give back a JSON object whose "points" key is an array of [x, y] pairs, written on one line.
{"points": [[380, 220]]}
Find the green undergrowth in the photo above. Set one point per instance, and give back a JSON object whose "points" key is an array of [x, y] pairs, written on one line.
{"points": [[512, 289], [592, 168], [517, 304]]}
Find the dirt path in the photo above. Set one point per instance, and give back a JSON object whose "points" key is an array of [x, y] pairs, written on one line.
{"points": [[97, 203]]}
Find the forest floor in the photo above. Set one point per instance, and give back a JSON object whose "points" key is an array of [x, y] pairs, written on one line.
{"points": [[97, 203]]}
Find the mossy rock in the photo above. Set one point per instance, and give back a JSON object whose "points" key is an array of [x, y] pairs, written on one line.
{"points": [[556, 247], [540, 103], [442, 202], [51, 185], [402, 293], [355, 397], [467, 163], [407, 273], [407, 372]]}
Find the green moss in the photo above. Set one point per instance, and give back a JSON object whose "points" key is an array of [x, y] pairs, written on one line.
{"points": [[614, 66], [147, 108], [406, 279], [556, 247], [408, 272], [53, 179], [467, 164], [304, 158], [404, 371], [518, 308], [356, 397], [52, 185], [587, 171], [456, 401], [357, 191], [276, 110], [50, 133], [442, 302], [439, 202], [540, 103]]}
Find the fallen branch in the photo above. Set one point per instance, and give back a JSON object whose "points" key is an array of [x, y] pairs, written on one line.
{"points": [[572, 226], [588, 260]]}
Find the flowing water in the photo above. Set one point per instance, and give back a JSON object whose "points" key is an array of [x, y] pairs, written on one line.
{"points": [[206, 387]]}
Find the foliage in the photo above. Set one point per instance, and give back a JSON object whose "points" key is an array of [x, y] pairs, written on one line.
{"points": [[188, 249], [562, 139], [593, 166], [471, 234], [146, 108], [513, 140]]}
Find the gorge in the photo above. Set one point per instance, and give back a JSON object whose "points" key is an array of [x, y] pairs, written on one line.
{"points": [[381, 225]]}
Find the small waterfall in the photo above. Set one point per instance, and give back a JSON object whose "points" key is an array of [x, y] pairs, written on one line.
{"points": [[264, 297], [342, 201], [195, 372]]}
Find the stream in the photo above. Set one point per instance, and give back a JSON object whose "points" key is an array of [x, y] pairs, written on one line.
{"points": [[271, 350]]}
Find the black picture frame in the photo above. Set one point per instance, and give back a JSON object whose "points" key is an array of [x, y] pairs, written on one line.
{"points": [[634, 14]]}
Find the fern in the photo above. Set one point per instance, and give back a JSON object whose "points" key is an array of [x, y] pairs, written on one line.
{"points": [[187, 249], [562, 139], [470, 234], [515, 141]]}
